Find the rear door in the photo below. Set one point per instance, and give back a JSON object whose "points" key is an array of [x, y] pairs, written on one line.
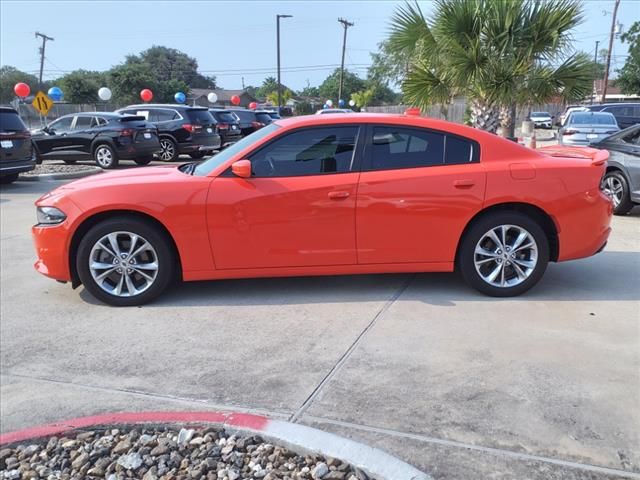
{"points": [[81, 136], [417, 191]]}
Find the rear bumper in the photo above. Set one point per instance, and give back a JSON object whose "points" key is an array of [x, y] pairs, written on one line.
{"points": [[131, 152], [200, 145], [17, 166]]}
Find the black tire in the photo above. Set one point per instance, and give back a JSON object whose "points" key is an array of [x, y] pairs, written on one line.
{"points": [[6, 179], [169, 150], [143, 160], [69, 162], [165, 258], [197, 155], [467, 254], [105, 156], [623, 197]]}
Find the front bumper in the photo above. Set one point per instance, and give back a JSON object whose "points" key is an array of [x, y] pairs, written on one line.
{"points": [[51, 250], [543, 124]]}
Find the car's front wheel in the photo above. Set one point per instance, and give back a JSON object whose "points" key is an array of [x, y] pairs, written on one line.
{"points": [[504, 254], [105, 156], [124, 261], [168, 150], [615, 185]]}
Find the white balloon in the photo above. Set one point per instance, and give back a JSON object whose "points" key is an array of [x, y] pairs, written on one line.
{"points": [[212, 97], [330, 103], [104, 93], [352, 103]]}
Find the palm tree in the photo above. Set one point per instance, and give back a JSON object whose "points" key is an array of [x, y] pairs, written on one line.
{"points": [[363, 98], [497, 53]]}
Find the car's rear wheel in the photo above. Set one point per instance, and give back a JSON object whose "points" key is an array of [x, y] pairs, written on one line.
{"points": [[504, 254], [5, 179], [615, 185], [144, 160], [125, 261], [197, 155], [168, 150], [105, 156]]}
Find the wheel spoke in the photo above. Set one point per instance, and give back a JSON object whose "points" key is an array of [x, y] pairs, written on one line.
{"points": [[130, 287], [521, 275], [492, 235], [523, 247], [140, 249], [134, 240], [496, 271], [101, 265], [105, 274], [486, 253], [144, 274], [524, 263], [519, 239], [118, 289], [147, 266], [113, 241]]}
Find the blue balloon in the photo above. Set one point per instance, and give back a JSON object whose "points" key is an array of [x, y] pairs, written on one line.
{"points": [[55, 94], [180, 97], [325, 106], [341, 103]]}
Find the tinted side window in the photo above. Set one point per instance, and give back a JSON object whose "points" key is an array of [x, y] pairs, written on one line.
{"points": [[82, 123], [459, 150], [313, 151], [61, 125], [405, 148]]}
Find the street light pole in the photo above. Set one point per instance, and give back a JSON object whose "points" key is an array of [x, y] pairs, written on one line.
{"points": [[595, 72], [278, 17], [611, 35]]}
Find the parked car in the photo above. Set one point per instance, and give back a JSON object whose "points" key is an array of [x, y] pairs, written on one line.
{"points": [[248, 120], [104, 137], [227, 126], [564, 115], [627, 114], [326, 111], [273, 114], [585, 128], [264, 117], [182, 129], [16, 150], [541, 119], [328, 195], [622, 180]]}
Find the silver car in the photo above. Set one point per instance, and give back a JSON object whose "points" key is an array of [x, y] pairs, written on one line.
{"points": [[541, 119], [585, 128]]}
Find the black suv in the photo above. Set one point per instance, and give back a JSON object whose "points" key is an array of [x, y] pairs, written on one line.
{"points": [[16, 150], [627, 114], [182, 129], [227, 126], [251, 120], [105, 137]]}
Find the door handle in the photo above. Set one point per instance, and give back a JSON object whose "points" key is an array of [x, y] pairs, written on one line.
{"points": [[338, 195], [463, 183]]}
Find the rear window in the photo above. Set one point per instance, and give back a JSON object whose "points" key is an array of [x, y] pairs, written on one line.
{"points": [[579, 118], [200, 117], [224, 117], [540, 114], [264, 118], [245, 115], [11, 122]]}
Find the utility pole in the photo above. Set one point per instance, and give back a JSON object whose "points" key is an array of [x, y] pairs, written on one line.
{"points": [[611, 35], [44, 43], [345, 24], [278, 17], [595, 72]]}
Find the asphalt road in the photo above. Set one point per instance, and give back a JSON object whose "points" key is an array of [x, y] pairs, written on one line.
{"points": [[544, 386]]}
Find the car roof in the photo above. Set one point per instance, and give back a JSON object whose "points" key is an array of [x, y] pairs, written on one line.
{"points": [[4, 108], [165, 105], [93, 114]]}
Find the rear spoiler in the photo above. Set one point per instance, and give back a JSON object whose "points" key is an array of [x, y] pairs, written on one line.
{"points": [[597, 156], [132, 118]]}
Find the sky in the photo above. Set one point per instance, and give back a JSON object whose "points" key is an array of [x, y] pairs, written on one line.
{"points": [[233, 40]]}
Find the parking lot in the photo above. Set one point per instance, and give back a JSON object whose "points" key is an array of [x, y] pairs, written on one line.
{"points": [[543, 386]]}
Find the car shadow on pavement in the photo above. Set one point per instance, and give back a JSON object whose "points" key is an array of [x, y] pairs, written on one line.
{"points": [[609, 276]]}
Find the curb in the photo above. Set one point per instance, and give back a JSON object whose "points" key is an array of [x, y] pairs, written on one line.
{"points": [[300, 438], [44, 177]]}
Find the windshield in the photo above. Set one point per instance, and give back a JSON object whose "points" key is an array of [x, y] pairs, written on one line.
{"points": [[207, 166], [592, 119]]}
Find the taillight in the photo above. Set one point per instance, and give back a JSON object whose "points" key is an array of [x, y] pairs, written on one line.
{"points": [[257, 124], [188, 127], [223, 126], [127, 132], [569, 131]]}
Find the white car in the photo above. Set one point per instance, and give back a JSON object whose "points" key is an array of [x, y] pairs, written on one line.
{"points": [[569, 110], [324, 111], [541, 119]]}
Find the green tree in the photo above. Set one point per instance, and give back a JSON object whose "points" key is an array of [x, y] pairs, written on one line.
{"points": [[330, 87], [310, 91], [497, 53], [285, 96], [81, 86], [629, 75], [363, 98], [128, 79], [9, 76], [169, 64], [269, 85]]}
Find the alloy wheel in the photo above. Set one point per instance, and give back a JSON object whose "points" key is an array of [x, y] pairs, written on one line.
{"points": [[104, 156], [123, 264], [506, 256], [613, 187], [168, 150]]}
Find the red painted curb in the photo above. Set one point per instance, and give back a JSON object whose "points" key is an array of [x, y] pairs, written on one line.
{"points": [[240, 420]]}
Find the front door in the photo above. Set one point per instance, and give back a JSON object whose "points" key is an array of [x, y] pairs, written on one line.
{"points": [[417, 191], [297, 209], [54, 143]]}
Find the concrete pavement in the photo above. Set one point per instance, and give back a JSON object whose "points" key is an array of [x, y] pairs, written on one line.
{"points": [[460, 385]]}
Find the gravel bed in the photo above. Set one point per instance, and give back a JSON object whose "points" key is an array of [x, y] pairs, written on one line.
{"points": [[58, 168], [153, 453]]}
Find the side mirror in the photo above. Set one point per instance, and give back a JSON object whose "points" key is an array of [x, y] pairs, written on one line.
{"points": [[241, 168]]}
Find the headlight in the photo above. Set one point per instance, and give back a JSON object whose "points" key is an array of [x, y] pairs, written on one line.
{"points": [[50, 216]]}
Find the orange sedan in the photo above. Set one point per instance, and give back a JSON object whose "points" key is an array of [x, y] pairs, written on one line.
{"points": [[322, 195]]}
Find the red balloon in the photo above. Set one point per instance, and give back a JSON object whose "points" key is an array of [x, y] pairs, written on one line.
{"points": [[22, 89], [235, 100], [146, 95], [253, 105]]}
